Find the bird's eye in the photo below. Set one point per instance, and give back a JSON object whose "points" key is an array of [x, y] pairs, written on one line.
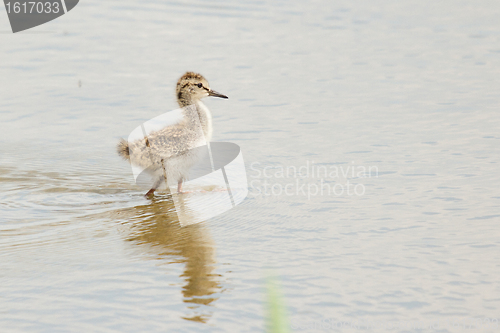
{"points": [[200, 85]]}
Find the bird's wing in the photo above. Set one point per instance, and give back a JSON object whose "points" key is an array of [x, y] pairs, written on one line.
{"points": [[167, 142]]}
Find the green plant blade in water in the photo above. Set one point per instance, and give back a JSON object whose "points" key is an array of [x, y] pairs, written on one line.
{"points": [[277, 321]]}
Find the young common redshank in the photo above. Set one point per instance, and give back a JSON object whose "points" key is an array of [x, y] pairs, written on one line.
{"points": [[168, 152]]}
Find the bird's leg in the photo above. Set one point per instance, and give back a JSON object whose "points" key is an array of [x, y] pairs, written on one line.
{"points": [[155, 186], [150, 193], [179, 186]]}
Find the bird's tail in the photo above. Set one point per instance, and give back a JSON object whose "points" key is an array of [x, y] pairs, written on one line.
{"points": [[123, 150]]}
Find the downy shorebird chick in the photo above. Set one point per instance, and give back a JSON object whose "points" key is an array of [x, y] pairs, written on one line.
{"points": [[165, 153]]}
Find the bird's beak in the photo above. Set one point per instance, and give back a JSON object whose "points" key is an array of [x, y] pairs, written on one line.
{"points": [[216, 94]]}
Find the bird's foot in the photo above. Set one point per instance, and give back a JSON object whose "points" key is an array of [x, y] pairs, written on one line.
{"points": [[219, 190], [185, 192]]}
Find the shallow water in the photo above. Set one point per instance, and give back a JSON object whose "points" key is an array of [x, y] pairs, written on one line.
{"points": [[403, 94]]}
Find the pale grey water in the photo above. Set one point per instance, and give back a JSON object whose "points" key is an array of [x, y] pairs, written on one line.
{"points": [[409, 88]]}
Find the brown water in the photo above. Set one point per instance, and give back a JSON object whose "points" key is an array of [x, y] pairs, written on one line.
{"points": [[403, 94]]}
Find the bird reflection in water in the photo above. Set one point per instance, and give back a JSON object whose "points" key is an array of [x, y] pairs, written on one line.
{"points": [[156, 224]]}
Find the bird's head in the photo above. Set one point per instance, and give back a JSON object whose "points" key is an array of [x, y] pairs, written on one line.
{"points": [[192, 87]]}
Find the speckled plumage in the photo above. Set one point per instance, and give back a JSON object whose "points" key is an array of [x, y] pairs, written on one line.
{"points": [[167, 152]]}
